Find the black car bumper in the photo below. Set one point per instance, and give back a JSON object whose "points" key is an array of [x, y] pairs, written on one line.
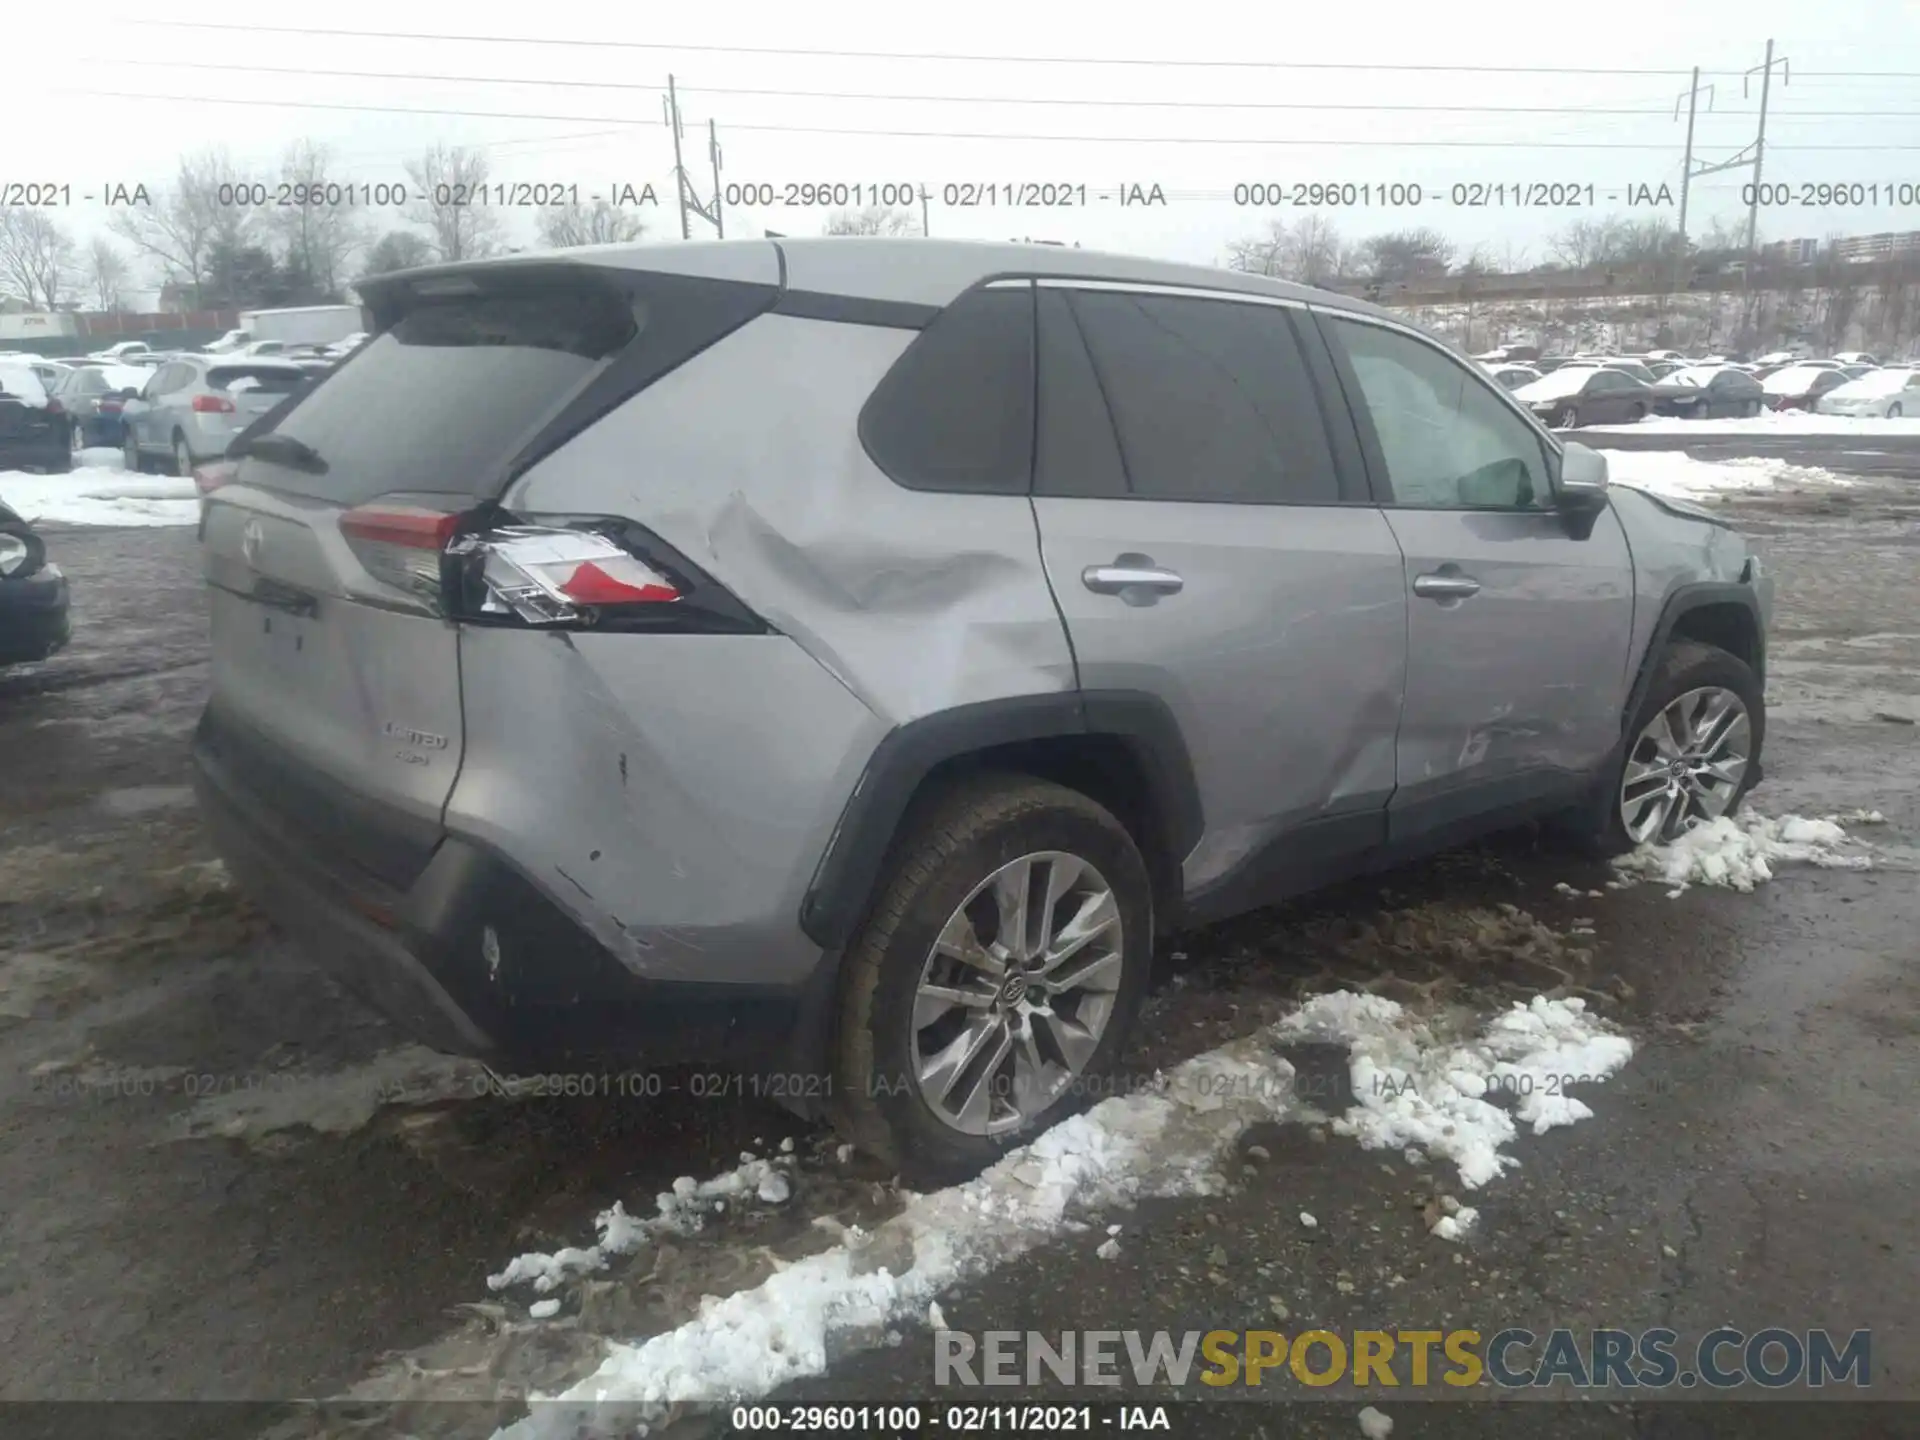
{"points": [[33, 616], [53, 456], [540, 991]]}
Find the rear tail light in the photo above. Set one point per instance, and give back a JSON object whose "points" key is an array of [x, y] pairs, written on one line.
{"points": [[54, 407], [400, 544], [548, 575], [212, 405], [489, 567], [209, 478], [111, 407]]}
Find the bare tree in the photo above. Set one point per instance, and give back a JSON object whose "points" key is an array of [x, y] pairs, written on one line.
{"points": [[1261, 254], [1407, 255], [1309, 252], [873, 220], [452, 183], [322, 227], [36, 256], [201, 214], [396, 250], [601, 223], [106, 273]]}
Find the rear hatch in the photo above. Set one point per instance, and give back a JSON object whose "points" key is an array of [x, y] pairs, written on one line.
{"points": [[336, 672], [255, 389], [25, 417]]}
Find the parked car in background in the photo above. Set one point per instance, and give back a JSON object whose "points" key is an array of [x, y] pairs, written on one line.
{"points": [[33, 594], [487, 725], [1666, 355], [1854, 357], [1586, 395], [192, 406], [33, 427], [124, 351], [1708, 392], [1547, 364], [1631, 367], [1512, 377], [1660, 369], [1891, 393], [1854, 372], [1798, 386], [92, 396]]}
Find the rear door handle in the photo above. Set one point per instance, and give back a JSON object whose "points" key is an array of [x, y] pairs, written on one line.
{"points": [[1134, 578], [1445, 587]]}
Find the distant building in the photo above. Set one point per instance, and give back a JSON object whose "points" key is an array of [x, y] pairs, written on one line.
{"points": [[1878, 247], [1791, 252]]}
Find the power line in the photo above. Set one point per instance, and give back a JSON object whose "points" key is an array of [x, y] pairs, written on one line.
{"points": [[1504, 144], [1157, 62], [1067, 100]]}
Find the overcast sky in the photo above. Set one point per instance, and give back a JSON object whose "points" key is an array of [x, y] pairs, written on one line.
{"points": [[1610, 130]]}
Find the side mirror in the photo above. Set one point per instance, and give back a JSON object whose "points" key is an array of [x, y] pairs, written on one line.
{"points": [[1581, 493]]}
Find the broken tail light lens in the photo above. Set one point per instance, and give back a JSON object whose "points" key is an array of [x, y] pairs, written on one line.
{"points": [[552, 575]]}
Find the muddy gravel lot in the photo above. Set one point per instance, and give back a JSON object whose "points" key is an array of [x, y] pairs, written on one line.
{"points": [[222, 1179]]}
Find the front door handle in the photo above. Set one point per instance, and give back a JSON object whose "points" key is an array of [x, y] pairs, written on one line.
{"points": [[1134, 578], [1445, 586]]}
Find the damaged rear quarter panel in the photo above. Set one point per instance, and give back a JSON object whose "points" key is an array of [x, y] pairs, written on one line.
{"points": [[671, 792], [747, 459]]}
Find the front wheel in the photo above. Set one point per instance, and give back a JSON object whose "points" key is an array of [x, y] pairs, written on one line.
{"points": [[1894, 412], [991, 990], [1690, 753], [1565, 418], [1636, 414]]}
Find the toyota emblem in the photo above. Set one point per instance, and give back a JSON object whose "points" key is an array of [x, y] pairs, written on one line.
{"points": [[251, 539]]}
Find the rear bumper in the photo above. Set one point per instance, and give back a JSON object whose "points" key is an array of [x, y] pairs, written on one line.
{"points": [[52, 453], [541, 990], [33, 617]]}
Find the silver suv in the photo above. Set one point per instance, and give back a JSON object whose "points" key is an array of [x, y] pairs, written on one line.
{"points": [[192, 406], [841, 659]]}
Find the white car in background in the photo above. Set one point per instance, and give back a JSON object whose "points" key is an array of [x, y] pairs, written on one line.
{"points": [[1892, 394], [1511, 377], [1854, 357]]}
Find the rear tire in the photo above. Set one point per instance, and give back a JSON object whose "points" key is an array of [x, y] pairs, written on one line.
{"points": [[182, 456], [1565, 418], [1686, 668], [963, 852], [1636, 414], [1894, 412]]}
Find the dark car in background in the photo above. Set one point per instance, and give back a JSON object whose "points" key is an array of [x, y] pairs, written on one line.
{"points": [[33, 426], [1586, 395], [1799, 387], [33, 595], [1708, 392], [92, 396]]}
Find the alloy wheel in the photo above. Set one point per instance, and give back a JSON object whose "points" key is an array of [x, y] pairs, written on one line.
{"points": [[1016, 992], [1686, 765]]}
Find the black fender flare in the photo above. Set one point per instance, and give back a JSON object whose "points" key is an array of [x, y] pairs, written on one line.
{"points": [[845, 878], [1683, 599]]}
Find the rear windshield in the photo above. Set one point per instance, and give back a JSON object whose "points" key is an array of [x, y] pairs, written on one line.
{"points": [[447, 396], [21, 385], [260, 379]]}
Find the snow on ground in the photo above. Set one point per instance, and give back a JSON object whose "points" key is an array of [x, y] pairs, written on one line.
{"points": [[1671, 472], [1768, 422], [1415, 1083], [1739, 852], [99, 492], [1173, 1138]]}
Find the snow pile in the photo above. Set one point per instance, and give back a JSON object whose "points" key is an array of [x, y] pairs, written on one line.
{"points": [[1770, 422], [1169, 1139], [1672, 472], [679, 1211], [1412, 1085], [100, 495], [1739, 852]]}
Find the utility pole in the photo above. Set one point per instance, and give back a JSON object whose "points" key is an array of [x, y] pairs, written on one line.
{"points": [[688, 197], [679, 170], [1759, 156], [1686, 165], [925, 227]]}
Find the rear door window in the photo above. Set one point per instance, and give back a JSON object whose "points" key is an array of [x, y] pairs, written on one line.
{"points": [[457, 386], [1210, 400]]}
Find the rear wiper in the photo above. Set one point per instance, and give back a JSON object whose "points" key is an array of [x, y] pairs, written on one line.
{"points": [[281, 449]]}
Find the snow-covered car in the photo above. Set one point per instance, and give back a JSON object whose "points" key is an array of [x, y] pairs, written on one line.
{"points": [[124, 352], [1798, 386], [1892, 394], [1854, 357], [33, 595], [1586, 395], [1708, 392], [1665, 355], [33, 425], [1512, 377]]}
